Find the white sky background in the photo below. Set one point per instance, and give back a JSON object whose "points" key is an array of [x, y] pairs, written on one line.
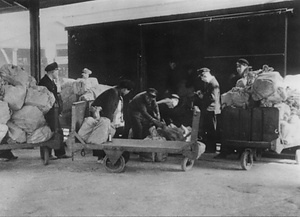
{"points": [[15, 26]]}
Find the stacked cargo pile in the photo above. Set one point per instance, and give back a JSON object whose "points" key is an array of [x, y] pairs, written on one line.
{"points": [[78, 90], [22, 107], [270, 89]]}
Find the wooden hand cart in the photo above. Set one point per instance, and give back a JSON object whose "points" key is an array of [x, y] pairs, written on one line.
{"points": [[114, 160], [250, 132], [53, 143]]}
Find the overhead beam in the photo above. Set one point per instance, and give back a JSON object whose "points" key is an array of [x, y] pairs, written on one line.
{"points": [[21, 5], [13, 3]]}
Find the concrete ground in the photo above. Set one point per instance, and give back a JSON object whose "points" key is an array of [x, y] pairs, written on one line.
{"points": [[84, 188]]}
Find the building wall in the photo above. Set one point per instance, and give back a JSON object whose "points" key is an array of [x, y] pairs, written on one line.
{"points": [[140, 49], [110, 51]]}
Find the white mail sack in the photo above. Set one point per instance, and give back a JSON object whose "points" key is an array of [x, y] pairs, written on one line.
{"points": [[15, 96], [101, 131], [4, 112], [29, 118], [41, 134], [3, 131], [15, 75], [15, 133], [40, 97]]}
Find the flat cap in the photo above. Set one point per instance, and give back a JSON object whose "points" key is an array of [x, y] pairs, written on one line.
{"points": [[152, 92], [51, 67], [175, 96], [86, 71], [203, 70], [243, 61]]}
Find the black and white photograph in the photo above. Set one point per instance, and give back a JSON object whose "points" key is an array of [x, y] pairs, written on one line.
{"points": [[149, 108]]}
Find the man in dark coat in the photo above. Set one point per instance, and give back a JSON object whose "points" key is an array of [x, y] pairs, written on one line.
{"points": [[48, 81], [211, 107], [144, 112], [167, 109], [109, 101], [242, 68]]}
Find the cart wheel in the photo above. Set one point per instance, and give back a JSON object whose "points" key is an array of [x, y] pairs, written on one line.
{"points": [[45, 154], [114, 168], [247, 160], [126, 155], [187, 164], [257, 156]]}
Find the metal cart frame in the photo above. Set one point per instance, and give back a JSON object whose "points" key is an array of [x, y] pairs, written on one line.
{"points": [[251, 131], [114, 160]]}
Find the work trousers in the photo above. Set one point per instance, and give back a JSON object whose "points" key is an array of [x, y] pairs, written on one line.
{"points": [[50, 119], [208, 129], [140, 126]]}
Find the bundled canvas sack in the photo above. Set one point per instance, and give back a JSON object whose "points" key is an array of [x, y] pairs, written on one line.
{"points": [[101, 131], [3, 131], [87, 128], [32, 82], [202, 148], [284, 111], [4, 112], [91, 82], [292, 81], [29, 118], [154, 156], [237, 97], [269, 86], [15, 75], [187, 131], [40, 97], [79, 87], [87, 96], [171, 133], [14, 96], [82, 85], [67, 94], [15, 133], [289, 130], [41, 134]]}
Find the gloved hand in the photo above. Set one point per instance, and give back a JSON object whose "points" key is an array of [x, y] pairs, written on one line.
{"points": [[159, 124]]}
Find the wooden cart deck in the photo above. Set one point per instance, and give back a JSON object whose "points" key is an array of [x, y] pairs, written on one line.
{"points": [[116, 147], [53, 143]]}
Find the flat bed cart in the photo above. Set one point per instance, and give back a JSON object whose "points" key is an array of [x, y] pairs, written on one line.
{"points": [[52, 143], [250, 132], [115, 160]]}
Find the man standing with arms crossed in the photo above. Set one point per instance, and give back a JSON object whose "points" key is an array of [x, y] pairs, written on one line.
{"points": [[48, 81]]}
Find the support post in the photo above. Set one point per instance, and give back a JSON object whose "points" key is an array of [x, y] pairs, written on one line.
{"points": [[35, 51], [285, 44]]}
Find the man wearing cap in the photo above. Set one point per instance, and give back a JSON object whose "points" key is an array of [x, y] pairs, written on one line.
{"points": [[242, 66], [85, 76], [111, 103], [166, 108], [210, 108], [144, 112], [86, 73], [48, 81]]}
